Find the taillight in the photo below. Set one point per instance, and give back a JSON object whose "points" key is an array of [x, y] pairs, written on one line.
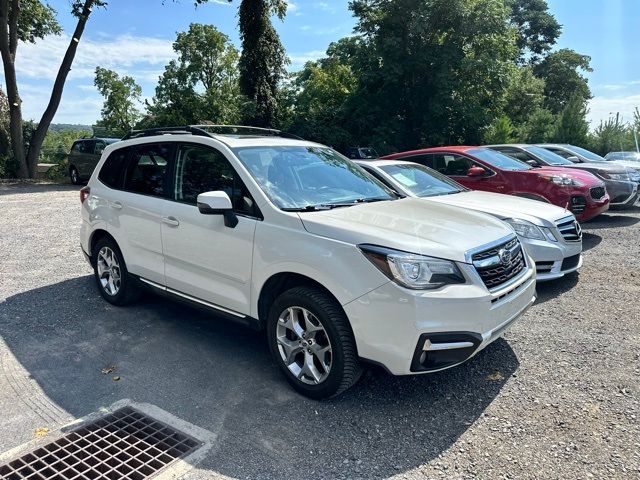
{"points": [[84, 194]]}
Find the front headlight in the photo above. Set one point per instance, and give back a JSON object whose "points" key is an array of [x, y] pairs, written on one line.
{"points": [[410, 270], [526, 229], [563, 180]]}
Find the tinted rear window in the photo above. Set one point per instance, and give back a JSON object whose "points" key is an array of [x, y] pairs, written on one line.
{"points": [[111, 171]]}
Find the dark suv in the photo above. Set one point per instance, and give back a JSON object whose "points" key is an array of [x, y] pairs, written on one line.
{"points": [[84, 156]]}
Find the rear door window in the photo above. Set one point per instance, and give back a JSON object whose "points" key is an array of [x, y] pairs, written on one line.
{"points": [[111, 173], [87, 146], [148, 169]]}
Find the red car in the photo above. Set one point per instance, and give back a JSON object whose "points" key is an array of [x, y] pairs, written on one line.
{"points": [[480, 168]]}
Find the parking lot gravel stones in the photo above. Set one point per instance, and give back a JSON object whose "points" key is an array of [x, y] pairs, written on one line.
{"points": [[558, 397]]}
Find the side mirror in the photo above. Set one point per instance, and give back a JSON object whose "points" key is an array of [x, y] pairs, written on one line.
{"points": [[573, 159], [476, 172], [533, 163], [218, 203]]}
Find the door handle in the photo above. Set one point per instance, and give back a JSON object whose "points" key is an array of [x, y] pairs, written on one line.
{"points": [[116, 205], [171, 221]]}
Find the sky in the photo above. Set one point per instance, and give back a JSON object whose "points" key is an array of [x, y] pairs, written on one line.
{"points": [[134, 37]]}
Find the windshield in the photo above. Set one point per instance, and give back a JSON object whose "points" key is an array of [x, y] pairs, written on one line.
{"points": [[308, 178], [498, 160], [421, 181], [585, 153], [628, 156], [547, 156]]}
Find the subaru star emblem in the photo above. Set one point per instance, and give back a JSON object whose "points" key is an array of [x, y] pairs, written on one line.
{"points": [[505, 256]]}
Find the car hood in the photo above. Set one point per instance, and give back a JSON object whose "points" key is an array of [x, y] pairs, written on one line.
{"points": [[409, 224], [577, 172], [506, 206], [626, 164], [598, 167]]}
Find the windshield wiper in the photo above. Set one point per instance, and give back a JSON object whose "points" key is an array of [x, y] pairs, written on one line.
{"points": [[307, 208], [329, 206]]}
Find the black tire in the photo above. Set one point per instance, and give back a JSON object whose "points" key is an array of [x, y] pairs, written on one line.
{"points": [[74, 175], [345, 366], [129, 290]]}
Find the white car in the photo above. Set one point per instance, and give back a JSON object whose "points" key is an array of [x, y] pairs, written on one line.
{"points": [[290, 237], [551, 234]]}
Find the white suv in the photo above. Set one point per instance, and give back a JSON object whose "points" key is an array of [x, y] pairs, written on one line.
{"points": [[291, 237]]}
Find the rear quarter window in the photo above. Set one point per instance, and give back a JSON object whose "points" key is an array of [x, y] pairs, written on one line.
{"points": [[111, 173]]}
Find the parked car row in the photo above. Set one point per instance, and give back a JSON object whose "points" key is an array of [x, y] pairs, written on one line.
{"points": [[409, 263]]}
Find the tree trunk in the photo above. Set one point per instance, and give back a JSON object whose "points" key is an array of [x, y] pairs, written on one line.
{"points": [[8, 46], [56, 93]]}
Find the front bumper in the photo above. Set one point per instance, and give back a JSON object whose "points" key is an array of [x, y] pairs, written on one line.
{"points": [[553, 259], [388, 322], [622, 194]]}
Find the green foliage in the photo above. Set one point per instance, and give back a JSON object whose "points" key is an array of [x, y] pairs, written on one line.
{"points": [[430, 72], [563, 80], [262, 60], [320, 92], [36, 20], [538, 29], [57, 144], [500, 131], [540, 127], [122, 94], [7, 167], [202, 84], [572, 125], [523, 96], [612, 135]]}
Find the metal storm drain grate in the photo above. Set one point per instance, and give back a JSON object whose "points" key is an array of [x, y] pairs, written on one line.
{"points": [[125, 444]]}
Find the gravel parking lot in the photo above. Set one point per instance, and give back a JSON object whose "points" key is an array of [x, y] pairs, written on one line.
{"points": [[558, 397]]}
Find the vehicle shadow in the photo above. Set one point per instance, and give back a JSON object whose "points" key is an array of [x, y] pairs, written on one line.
{"points": [[610, 221], [26, 187], [550, 290], [219, 376], [590, 240]]}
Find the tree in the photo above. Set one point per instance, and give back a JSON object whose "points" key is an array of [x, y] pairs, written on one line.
{"points": [[28, 24], [612, 135], [122, 94], [7, 168], [263, 58], [21, 21], [572, 124], [435, 72], [538, 29], [500, 131], [321, 91], [540, 127], [524, 95], [202, 84], [563, 80]]}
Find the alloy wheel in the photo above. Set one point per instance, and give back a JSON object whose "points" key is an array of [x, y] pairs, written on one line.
{"points": [[109, 273], [304, 345]]}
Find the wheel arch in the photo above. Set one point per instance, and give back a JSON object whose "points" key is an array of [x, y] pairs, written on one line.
{"points": [[97, 235], [279, 283]]}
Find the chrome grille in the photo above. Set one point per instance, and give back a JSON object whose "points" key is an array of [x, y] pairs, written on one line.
{"points": [[570, 230], [597, 192], [497, 265]]}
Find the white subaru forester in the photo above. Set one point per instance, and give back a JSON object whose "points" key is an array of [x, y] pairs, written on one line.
{"points": [[291, 237]]}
